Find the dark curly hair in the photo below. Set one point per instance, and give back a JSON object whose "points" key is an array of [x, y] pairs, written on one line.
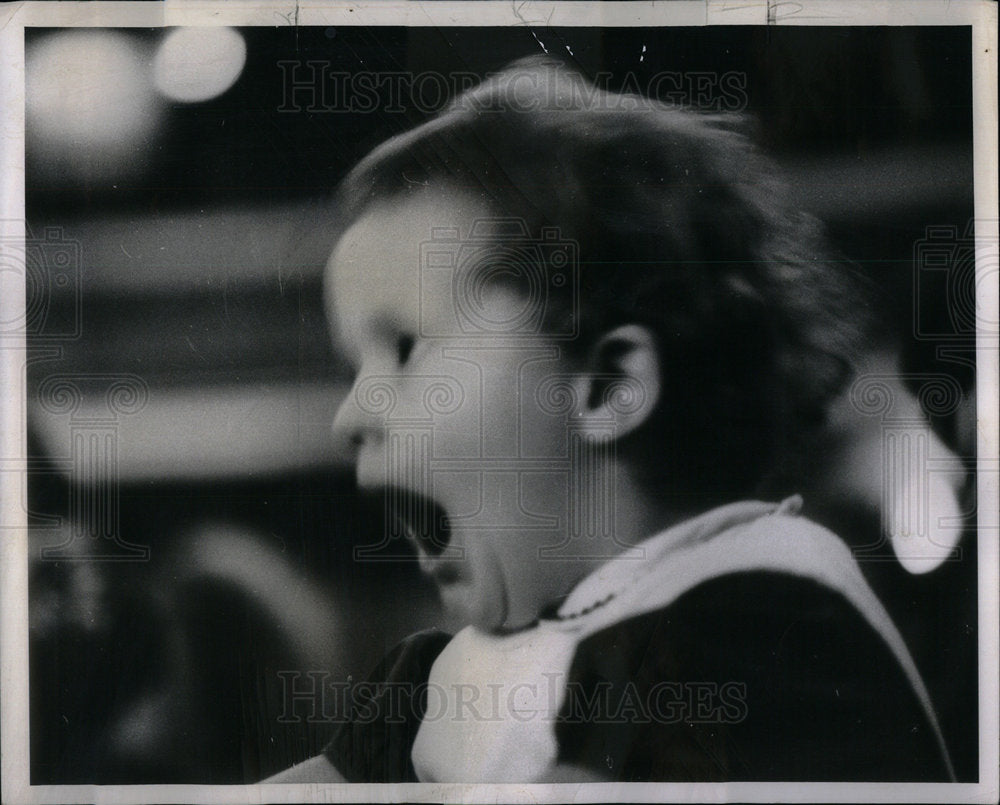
{"points": [[682, 226]]}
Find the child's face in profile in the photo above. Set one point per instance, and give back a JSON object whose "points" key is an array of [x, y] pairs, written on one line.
{"points": [[447, 419]]}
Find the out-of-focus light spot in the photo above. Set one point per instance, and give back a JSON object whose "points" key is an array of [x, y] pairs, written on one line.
{"points": [[197, 64], [924, 518], [91, 109]]}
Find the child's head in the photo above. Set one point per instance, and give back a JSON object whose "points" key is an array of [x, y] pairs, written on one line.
{"points": [[547, 273]]}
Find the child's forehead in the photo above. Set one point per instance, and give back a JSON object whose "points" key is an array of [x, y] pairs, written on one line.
{"points": [[383, 269], [410, 218], [387, 245]]}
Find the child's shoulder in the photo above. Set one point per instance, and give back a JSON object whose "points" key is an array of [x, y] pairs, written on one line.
{"points": [[384, 713], [410, 660], [751, 675]]}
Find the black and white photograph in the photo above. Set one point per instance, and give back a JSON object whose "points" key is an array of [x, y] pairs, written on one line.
{"points": [[476, 401]]}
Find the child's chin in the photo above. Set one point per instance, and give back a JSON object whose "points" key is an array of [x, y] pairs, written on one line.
{"points": [[469, 609]]}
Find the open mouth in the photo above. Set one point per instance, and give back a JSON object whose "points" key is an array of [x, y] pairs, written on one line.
{"points": [[419, 519]]}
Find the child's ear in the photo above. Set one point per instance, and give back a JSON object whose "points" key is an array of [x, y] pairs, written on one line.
{"points": [[619, 382]]}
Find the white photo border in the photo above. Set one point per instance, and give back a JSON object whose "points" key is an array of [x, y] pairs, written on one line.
{"points": [[981, 15]]}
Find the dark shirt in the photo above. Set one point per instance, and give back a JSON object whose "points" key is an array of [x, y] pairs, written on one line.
{"points": [[752, 676]]}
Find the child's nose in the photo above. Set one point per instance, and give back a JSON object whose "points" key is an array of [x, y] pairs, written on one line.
{"points": [[351, 425]]}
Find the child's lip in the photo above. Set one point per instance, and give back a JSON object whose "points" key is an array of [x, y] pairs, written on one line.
{"points": [[421, 520], [443, 571]]}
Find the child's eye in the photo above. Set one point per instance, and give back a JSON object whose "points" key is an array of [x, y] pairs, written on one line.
{"points": [[404, 346]]}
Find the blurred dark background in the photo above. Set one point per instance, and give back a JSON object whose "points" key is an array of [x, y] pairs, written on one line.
{"points": [[179, 238]]}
